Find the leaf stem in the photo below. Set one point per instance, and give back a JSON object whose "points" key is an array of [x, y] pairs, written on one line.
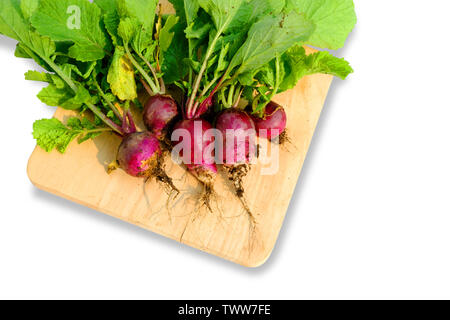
{"points": [[208, 101], [147, 87], [277, 83], [104, 118], [92, 107], [131, 122], [157, 80], [238, 97], [230, 96], [86, 131], [110, 104], [202, 71], [205, 91], [223, 100], [141, 70]]}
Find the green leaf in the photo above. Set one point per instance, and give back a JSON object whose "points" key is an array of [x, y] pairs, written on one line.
{"points": [[222, 63], [143, 11], [264, 7], [43, 46], [11, 19], [111, 17], [222, 12], [127, 30], [173, 66], [142, 39], [195, 65], [269, 37], [107, 6], [54, 96], [133, 33], [166, 35], [82, 69], [268, 75], [111, 21], [198, 32], [334, 20], [28, 7], [13, 25], [45, 77], [38, 76], [235, 40], [77, 21], [52, 134], [200, 28], [57, 81], [253, 10], [121, 77], [76, 102], [110, 114], [296, 64], [141, 16], [21, 53], [187, 10], [247, 79]]}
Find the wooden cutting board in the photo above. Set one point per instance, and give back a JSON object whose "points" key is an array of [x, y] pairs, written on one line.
{"points": [[80, 176]]}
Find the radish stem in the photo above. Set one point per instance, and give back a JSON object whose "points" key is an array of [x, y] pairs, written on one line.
{"points": [[110, 104], [158, 81], [147, 87], [141, 70], [202, 71], [131, 122], [92, 107]]}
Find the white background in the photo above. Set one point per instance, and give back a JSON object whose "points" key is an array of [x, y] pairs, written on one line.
{"points": [[370, 217]]}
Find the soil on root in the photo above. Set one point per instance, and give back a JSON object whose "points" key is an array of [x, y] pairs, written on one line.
{"points": [[206, 197], [205, 201], [208, 193], [166, 144], [158, 172], [285, 142], [282, 139], [236, 175]]}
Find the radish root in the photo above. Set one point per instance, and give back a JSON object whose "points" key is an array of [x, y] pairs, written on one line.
{"points": [[283, 139], [160, 175], [236, 175]]}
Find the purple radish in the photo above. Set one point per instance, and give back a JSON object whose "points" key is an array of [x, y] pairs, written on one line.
{"points": [[140, 155], [274, 121], [239, 137], [238, 149], [200, 161], [158, 113]]}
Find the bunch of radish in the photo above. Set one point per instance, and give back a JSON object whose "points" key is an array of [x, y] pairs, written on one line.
{"points": [[211, 72], [230, 61]]}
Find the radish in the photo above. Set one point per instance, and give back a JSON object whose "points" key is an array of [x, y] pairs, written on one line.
{"points": [[274, 122], [196, 149], [140, 155], [238, 131], [159, 112], [238, 149]]}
